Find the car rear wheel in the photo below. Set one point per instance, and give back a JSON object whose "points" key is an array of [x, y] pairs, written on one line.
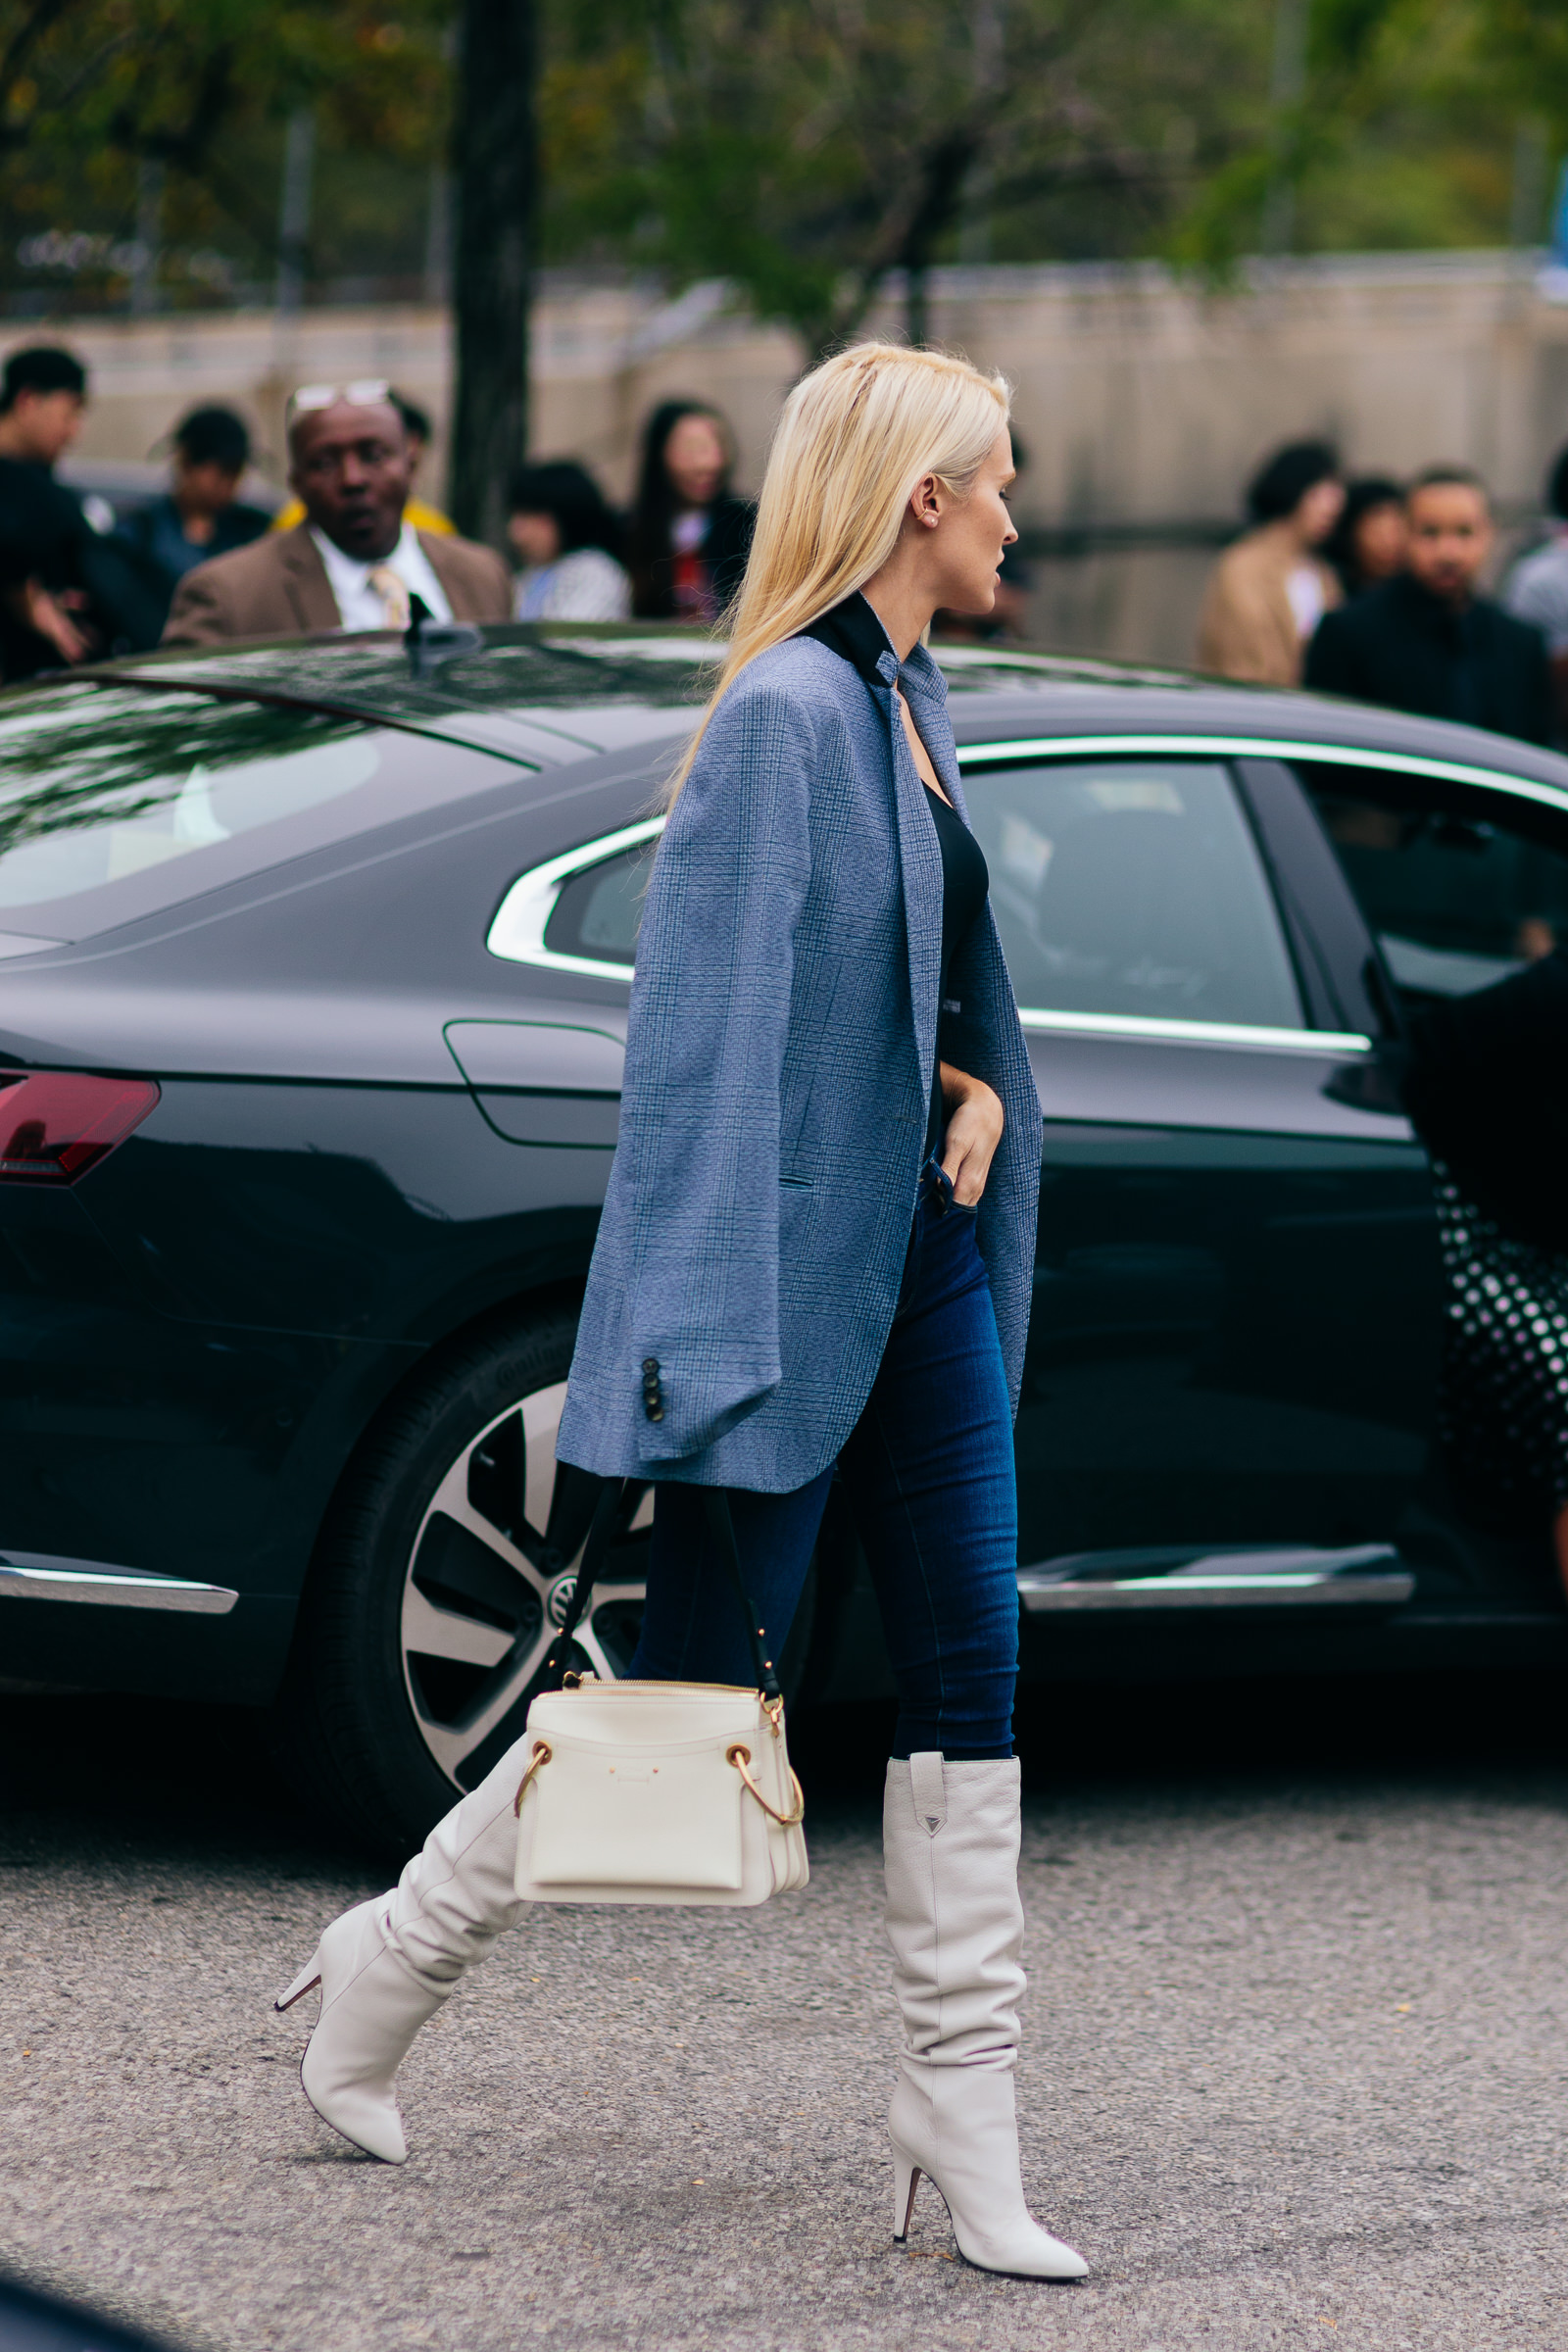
{"points": [[426, 1625]]}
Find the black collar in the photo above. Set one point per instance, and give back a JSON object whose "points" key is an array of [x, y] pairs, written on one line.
{"points": [[852, 631]]}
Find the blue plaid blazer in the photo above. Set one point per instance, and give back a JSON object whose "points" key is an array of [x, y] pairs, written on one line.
{"points": [[779, 1059]]}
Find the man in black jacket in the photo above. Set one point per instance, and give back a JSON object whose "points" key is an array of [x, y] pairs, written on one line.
{"points": [[66, 593], [1425, 641]]}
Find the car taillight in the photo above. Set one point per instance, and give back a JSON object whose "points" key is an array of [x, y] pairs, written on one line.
{"points": [[57, 1124]]}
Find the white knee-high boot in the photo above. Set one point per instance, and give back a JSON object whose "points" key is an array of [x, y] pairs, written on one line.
{"points": [[949, 1836], [386, 1966]]}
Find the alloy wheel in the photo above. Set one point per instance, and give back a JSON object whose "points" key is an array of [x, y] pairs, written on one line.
{"points": [[478, 1617]]}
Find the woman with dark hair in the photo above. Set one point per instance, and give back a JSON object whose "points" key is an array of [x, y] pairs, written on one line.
{"points": [[1367, 545], [568, 542], [689, 534], [1271, 589], [200, 515]]}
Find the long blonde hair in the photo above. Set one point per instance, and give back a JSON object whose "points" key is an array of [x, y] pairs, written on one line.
{"points": [[855, 438]]}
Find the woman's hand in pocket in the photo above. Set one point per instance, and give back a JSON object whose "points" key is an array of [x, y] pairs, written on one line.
{"points": [[975, 1121]]}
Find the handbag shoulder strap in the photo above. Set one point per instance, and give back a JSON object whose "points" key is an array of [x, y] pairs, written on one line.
{"points": [[602, 1526]]}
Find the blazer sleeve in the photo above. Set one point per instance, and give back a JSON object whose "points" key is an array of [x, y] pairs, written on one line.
{"points": [[700, 1111], [199, 614]]}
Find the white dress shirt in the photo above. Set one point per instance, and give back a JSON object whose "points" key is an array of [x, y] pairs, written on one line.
{"points": [[358, 604]]}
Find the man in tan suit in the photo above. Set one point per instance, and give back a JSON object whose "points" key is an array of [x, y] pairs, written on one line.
{"points": [[1269, 591], [354, 563]]}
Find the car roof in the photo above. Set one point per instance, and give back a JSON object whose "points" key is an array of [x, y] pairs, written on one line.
{"points": [[547, 693]]}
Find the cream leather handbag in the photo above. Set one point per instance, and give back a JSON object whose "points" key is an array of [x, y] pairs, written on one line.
{"points": [[659, 1793]]}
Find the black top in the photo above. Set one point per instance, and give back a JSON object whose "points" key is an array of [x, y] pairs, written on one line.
{"points": [[1402, 647], [1488, 1090], [852, 631], [966, 880], [155, 535], [723, 551], [43, 535]]}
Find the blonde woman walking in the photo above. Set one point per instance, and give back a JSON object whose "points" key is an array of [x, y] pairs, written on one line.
{"points": [[815, 1252]]}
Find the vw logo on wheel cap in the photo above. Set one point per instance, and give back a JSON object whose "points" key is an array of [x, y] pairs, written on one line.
{"points": [[562, 1592]]}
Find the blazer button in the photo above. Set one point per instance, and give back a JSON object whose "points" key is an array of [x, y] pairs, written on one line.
{"points": [[652, 1395]]}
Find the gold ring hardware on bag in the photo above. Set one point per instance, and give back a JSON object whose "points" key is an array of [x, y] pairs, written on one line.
{"points": [[541, 1755], [740, 1756]]}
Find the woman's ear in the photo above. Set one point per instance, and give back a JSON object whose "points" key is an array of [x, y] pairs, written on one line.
{"points": [[925, 502]]}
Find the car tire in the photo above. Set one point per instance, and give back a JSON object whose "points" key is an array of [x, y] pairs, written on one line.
{"points": [[424, 1627]]}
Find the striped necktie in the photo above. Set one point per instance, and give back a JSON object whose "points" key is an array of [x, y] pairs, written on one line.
{"points": [[389, 587]]}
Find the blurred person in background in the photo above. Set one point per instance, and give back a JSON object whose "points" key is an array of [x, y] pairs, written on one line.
{"points": [[356, 561], [200, 515], [568, 542], [1368, 543], [687, 545], [66, 593], [43, 396], [420, 432], [1426, 640], [1269, 591], [1485, 1091], [1536, 588]]}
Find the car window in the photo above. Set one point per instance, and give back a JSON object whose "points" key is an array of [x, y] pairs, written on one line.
{"points": [[1460, 888], [600, 911], [98, 785], [1131, 887]]}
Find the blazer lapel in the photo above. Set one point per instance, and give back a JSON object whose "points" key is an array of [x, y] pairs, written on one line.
{"points": [[453, 576], [305, 582], [920, 860], [926, 692]]}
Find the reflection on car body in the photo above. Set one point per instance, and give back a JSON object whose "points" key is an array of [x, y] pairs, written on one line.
{"points": [[280, 1364]]}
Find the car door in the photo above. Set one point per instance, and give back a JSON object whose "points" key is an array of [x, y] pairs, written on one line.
{"points": [[1463, 874], [1229, 1373]]}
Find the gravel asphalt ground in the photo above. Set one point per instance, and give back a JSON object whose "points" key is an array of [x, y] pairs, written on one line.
{"points": [[1294, 2070]]}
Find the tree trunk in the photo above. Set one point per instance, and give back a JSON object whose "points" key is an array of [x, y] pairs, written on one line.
{"points": [[494, 173]]}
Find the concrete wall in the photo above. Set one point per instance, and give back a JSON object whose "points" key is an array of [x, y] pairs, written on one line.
{"points": [[1144, 401]]}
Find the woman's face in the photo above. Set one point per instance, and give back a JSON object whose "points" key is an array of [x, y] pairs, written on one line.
{"points": [[1381, 538], [695, 460], [971, 533], [1320, 511], [535, 537]]}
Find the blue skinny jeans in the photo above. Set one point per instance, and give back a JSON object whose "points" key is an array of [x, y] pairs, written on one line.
{"points": [[928, 1473]]}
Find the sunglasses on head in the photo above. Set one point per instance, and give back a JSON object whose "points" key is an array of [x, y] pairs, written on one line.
{"points": [[371, 392]]}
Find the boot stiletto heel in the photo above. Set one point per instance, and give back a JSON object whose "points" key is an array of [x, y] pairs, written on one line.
{"points": [[306, 1980], [387, 1966], [950, 1845], [905, 2180]]}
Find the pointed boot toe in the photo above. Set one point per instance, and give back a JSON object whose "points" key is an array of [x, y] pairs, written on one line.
{"points": [[957, 2126], [371, 2009], [387, 1966], [368, 2114], [955, 1923]]}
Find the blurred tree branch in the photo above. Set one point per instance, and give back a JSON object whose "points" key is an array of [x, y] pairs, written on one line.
{"points": [[90, 87], [807, 148]]}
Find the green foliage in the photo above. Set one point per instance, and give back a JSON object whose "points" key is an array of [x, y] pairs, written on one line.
{"points": [[90, 90], [801, 148], [805, 147]]}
